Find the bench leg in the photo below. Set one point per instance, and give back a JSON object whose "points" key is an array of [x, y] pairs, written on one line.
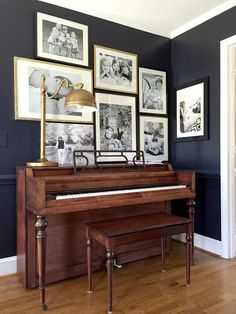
{"points": [[90, 285], [188, 257], [110, 260], [163, 241]]}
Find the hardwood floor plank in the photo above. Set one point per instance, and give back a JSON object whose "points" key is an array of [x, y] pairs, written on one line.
{"points": [[139, 288]]}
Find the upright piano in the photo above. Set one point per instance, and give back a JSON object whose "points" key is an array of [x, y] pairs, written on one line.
{"points": [[59, 202]]}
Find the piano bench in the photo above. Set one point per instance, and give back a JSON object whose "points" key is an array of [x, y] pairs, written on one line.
{"points": [[125, 230]]}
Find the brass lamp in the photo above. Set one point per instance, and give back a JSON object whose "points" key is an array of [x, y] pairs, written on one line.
{"points": [[78, 100]]}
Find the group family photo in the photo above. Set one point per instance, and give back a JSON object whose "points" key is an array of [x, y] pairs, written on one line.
{"points": [[62, 40], [115, 70]]}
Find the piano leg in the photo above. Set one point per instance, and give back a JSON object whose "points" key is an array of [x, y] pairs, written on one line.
{"points": [[191, 213], [110, 259], [41, 234]]}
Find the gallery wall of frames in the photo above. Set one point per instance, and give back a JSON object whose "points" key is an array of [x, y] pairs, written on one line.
{"points": [[44, 38], [131, 100]]}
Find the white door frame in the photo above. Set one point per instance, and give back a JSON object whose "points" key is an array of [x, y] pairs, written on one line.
{"points": [[227, 153]]}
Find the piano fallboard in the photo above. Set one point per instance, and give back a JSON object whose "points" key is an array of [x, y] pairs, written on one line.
{"points": [[111, 201]]}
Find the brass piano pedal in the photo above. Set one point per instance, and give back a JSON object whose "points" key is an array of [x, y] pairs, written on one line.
{"points": [[116, 265]]}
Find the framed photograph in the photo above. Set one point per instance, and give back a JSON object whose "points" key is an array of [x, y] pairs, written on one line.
{"points": [[152, 91], [115, 70], [115, 122], [154, 138], [63, 138], [192, 111], [27, 83], [62, 40]]}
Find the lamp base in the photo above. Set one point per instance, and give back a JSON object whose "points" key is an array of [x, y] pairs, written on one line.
{"points": [[42, 163]]}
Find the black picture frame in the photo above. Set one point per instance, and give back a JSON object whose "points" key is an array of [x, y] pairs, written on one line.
{"points": [[191, 101]]}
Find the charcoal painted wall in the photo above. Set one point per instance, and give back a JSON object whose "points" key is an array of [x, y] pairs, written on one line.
{"points": [[196, 54], [19, 140]]}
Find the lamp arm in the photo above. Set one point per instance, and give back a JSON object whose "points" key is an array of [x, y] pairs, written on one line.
{"points": [[59, 87]]}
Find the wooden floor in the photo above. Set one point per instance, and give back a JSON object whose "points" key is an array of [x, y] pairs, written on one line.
{"points": [[139, 288]]}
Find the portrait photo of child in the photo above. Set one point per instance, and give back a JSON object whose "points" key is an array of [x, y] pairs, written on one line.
{"points": [[152, 96]]}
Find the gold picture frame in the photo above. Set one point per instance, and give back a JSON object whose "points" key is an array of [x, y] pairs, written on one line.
{"points": [[115, 70], [27, 83]]}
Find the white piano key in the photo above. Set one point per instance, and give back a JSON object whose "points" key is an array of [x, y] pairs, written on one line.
{"points": [[115, 192]]}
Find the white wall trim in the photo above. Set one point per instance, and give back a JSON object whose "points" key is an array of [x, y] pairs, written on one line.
{"points": [[203, 18], [90, 10], [226, 127], [207, 244], [8, 266]]}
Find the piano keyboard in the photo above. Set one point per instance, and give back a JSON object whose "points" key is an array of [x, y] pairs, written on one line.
{"points": [[115, 192]]}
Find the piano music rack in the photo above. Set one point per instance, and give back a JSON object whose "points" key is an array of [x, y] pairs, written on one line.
{"points": [[106, 158]]}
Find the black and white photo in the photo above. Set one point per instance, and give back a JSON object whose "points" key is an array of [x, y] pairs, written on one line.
{"points": [[28, 80], [115, 70], [62, 40], [191, 110], [154, 138], [63, 138], [115, 122], [152, 91]]}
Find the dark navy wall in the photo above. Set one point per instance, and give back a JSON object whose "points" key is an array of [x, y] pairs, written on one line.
{"points": [[19, 140], [196, 54]]}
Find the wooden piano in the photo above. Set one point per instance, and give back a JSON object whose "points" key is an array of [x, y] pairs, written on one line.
{"points": [[100, 194]]}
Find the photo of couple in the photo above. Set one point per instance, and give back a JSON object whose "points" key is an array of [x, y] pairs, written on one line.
{"points": [[62, 139]]}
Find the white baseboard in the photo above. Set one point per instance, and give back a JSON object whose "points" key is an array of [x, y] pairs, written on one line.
{"points": [[8, 266], [204, 243]]}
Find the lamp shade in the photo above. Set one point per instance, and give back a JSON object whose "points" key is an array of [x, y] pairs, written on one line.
{"points": [[80, 100]]}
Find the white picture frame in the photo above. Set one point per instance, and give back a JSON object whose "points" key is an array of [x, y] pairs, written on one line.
{"points": [[62, 40], [152, 91], [154, 138]]}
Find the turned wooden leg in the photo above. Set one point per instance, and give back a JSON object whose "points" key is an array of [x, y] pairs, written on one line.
{"points": [[188, 257], [90, 285], [191, 213], [110, 259], [163, 267], [41, 234]]}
